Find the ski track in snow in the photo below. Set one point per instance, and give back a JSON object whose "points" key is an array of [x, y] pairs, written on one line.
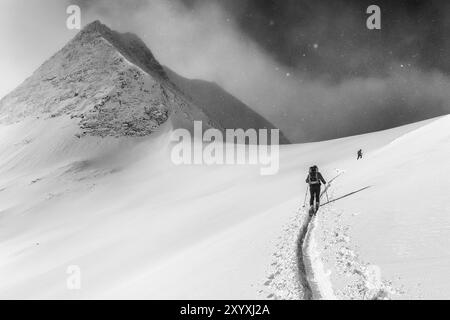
{"points": [[316, 276], [302, 260], [302, 257], [296, 271]]}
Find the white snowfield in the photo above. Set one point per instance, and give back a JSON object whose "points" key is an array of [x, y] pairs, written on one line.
{"points": [[138, 226]]}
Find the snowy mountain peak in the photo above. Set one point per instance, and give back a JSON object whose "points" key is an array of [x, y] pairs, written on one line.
{"points": [[128, 44], [95, 26], [112, 85], [110, 82]]}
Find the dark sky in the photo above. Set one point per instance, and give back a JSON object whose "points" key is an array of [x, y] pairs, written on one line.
{"points": [[414, 33]]}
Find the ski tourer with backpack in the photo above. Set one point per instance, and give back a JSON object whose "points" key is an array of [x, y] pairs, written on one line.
{"points": [[314, 180]]}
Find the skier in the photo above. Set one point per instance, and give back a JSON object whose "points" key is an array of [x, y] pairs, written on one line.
{"points": [[359, 154], [314, 180]]}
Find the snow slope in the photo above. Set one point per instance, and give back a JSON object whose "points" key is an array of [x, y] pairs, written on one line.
{"points": [[140, 227], [392, 240], [135, 224]]}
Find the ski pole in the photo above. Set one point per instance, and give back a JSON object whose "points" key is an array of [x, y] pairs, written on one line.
{"points": [[306, 194]]}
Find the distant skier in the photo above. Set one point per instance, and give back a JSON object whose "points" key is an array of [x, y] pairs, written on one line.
{"points": [[360, 154], [314, 179]]}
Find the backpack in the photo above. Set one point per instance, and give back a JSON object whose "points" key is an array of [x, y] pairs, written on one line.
{"points": [[313, 175]]}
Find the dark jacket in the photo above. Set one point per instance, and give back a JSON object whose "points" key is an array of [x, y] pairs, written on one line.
{"points": [[320, 178]]}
